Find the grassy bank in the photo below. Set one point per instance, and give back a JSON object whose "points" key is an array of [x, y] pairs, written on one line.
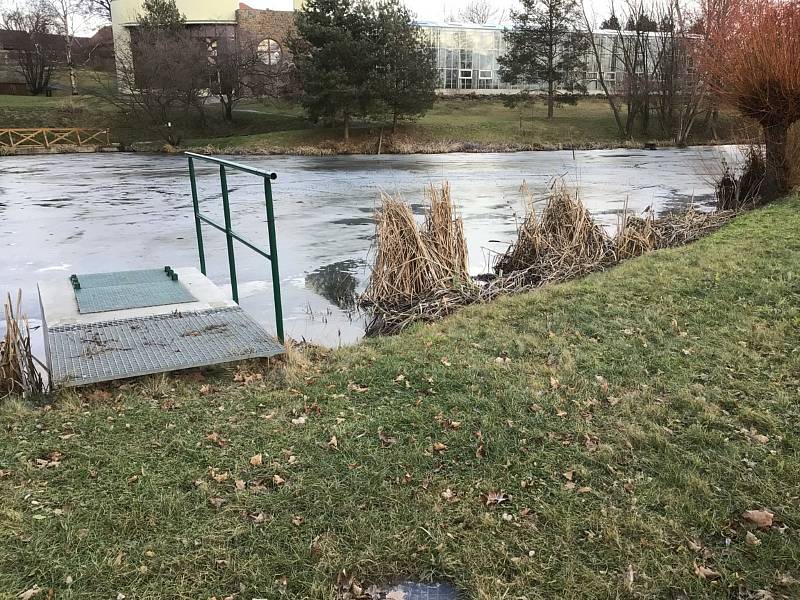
{"points": [[452, 125], [598, 439]]}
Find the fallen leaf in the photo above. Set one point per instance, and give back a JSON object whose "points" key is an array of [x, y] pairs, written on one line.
{"points": [[439, 447], [752, 539], [240, 484], [206, 389], [584, 490], [357, 388], [753, 435], [602, 383], [297, 520], [480, 452], [386, 440], [217, 439], [257, 518], [703, 572], [494, 498], [30, 593], [628, 578], [299, 421], [759, 518], [256, 460], [216, 501], [219, 477], [569, 475], [554, 384], [396, 595], [333, 443], [278, 480], [449, 495]]}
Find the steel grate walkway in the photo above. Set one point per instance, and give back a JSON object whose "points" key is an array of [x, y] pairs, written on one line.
{"points": [[93, 352]]}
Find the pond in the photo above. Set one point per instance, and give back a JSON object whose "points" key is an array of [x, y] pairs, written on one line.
{"points": [[61, 214]]}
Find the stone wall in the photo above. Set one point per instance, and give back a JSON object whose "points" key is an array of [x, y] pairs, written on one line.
{"points": [[267, 24]]}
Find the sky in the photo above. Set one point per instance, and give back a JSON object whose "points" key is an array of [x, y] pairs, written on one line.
{"points": [[427, 10]]}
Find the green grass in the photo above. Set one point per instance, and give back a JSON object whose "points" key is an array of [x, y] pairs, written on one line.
{"points": [[451, 124], [698, 347]]}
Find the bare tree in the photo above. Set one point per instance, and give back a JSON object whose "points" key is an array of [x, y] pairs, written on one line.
{"points": [[68, 16], [164, 78], [36, 58], [97, 8], [229, 66], [479, 12], [681, 89], [636, 57]]}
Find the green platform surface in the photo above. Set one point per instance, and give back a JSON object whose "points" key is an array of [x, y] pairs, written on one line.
{"points": [[103, 292]]}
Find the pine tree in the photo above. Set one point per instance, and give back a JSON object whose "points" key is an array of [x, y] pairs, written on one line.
{"points": [[161, 14], [334, 52], [545, 45], [405, 75]]}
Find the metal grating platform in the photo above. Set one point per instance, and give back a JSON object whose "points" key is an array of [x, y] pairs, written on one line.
{"points": [[103, 292], [89, 353]]}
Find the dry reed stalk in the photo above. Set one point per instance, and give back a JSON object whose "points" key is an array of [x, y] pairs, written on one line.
{"points": [[18, 367], [564, 244], [635, 235], [411, 262]]}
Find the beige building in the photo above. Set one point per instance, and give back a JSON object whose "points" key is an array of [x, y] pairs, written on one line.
{"points": [[211, 20]]}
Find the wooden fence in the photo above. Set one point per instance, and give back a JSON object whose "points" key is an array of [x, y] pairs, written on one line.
{"points": [[47, 137]]}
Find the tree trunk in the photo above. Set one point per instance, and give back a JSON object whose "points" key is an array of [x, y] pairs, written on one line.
{"points": [[776, 178], [346, 127], [228, 110], [394, 123], [550, 99], [73, 80]]}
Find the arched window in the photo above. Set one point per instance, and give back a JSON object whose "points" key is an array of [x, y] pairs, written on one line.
{"points": [[270, 52]]}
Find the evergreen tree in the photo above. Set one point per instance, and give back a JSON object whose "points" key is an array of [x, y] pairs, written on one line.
{"points": [[405, 75], [545, 45], [334, 51], [161, 14], [611, 23]]}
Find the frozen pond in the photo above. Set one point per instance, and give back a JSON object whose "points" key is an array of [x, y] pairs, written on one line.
{"points": [[83, 213]]}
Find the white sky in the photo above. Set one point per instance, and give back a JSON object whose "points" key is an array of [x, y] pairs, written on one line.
{"points": [[438, 10], [429, 10]]}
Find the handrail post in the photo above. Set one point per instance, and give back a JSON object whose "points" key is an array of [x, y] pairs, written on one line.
{"points": [[197, 223], [226, 208], [273, 253]]}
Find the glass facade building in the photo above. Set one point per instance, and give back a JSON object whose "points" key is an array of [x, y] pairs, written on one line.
{"points": [[466, 55]]}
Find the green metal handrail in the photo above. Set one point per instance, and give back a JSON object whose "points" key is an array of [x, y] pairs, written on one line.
{"points": [[230, 235]]}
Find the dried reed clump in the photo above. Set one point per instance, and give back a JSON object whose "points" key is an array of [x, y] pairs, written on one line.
{"points": [[18, 366], [414, 275], [412, 262], [565, 242]]}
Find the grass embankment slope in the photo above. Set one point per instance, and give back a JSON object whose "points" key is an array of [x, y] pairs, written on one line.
{"points": [[469, 124], [641, 411]]}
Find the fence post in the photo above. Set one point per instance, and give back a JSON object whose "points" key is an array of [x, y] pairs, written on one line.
{"points": [[197, 223], [226, 208], [273, 253]]}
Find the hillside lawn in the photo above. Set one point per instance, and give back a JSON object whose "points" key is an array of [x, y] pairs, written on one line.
{"points": [[452, 124], [596, 439]]}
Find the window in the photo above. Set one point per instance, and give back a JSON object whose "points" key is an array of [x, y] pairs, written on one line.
{"points": [[269, 51], [610, 76], [591, 75], [484, 74], [212, 50]]}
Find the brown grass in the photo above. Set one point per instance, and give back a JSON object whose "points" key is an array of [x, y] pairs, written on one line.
{"points": [[18, 367]]}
